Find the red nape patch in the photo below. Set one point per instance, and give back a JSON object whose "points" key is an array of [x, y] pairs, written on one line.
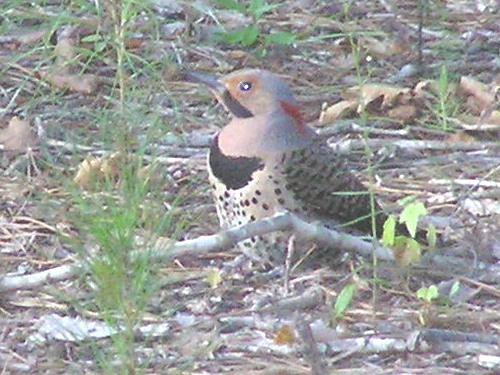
{"points": [[296, 113]]}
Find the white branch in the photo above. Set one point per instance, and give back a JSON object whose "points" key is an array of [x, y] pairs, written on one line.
{"points": [[205, 244]]}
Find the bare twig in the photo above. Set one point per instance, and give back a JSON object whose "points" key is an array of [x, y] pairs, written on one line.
{"points": [[310, 348], [167, 250]]}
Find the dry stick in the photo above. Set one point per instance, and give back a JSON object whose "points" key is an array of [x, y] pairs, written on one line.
{"points": [[352, 145], [424, 340], [310, 347], [279, 222], [204, 244]]}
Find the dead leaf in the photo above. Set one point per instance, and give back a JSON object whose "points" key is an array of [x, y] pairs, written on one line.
{"points": [[337, 111], [93, 170], [368, 94], [404, 112], [18, 136], [285, 336], [379, 48], [389, 94], [480, 91], [84, 83], [87, 171]]}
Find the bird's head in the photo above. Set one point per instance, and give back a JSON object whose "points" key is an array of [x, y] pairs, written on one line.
{"points": [[266, 115], [251, 93]]}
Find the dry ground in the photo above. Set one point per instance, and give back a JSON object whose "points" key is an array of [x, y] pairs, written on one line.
{"points": [[431, 133]]}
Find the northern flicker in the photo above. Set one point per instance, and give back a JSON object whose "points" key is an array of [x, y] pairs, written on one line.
{"points": [[268, 160]]}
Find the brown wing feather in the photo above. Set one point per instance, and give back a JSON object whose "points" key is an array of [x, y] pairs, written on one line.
{"points": [[319, 179]]}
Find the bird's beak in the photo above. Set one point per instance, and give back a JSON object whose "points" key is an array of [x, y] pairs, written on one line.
{"points": [[212, 81]]}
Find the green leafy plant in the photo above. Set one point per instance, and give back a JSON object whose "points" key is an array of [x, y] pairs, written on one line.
{"points": [[410, 216], [344, 299], [408, 248], [428, 294], [253, 34], [122, 279], [117, 213], [430, 297]]}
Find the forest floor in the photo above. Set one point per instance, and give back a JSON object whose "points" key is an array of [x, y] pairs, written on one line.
{"points": [[103, 157]]}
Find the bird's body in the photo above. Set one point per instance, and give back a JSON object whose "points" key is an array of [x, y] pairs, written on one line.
{"points": [[267, 160]]}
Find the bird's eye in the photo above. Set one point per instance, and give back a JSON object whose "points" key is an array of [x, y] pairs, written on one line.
{"points": [[245, 86]]}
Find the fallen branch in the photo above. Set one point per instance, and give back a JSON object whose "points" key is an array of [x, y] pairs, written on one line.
{"points": [[166, 250], [423, 341], [352, 145]]}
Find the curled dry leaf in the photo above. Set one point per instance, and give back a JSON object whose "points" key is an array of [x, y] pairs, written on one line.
{"points": [[337, 110], [379, 48], [389, 95], [376, 96], [84, 83], [482, 100], [483, 93], [403, 112], [18, 136], [93, 170]]}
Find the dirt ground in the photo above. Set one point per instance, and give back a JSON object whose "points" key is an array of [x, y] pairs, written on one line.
{"points": [[424, 106]]}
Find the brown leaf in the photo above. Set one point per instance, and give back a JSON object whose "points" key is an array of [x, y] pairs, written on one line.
{"points": [[336, 111], [368, 94], [93, 170], [85, 83], [285, 336], [17, 136], [404, 112], [389, 94], [381, 48], [88, 171], [484, 94]]}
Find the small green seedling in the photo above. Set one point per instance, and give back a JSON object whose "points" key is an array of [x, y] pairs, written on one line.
{"points": [[428, 294], [214, 277], [412, 212], [344, 299]]}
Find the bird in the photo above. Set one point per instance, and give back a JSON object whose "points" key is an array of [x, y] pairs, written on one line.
{"points": [[268, 160]]}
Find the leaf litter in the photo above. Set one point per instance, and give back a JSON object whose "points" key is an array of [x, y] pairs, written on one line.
{"points": [[458, 185]]}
